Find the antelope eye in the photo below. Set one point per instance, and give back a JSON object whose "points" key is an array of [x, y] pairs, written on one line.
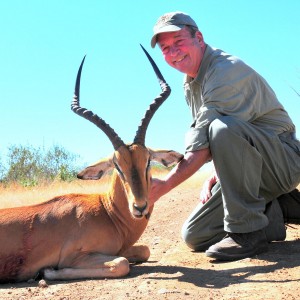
{"points": [[119, 170], [147, 168]]}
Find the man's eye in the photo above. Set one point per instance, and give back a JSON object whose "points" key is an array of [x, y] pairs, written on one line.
{"points": [[179, 43], [165, 50]]}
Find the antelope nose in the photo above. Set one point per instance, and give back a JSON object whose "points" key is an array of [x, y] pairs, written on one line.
{"points": [[140, 208]]}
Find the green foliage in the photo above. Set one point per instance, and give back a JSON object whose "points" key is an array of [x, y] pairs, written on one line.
{"points": [[2, 170], [30, 166]]}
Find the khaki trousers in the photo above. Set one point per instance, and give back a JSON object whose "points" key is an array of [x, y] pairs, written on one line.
{"points": [[254, 167]]}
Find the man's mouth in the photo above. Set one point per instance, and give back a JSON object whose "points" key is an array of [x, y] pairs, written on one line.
{"points": [[179, 60]]}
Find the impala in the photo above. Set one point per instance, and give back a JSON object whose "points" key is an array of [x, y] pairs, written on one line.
{"points": [[79, 236]]}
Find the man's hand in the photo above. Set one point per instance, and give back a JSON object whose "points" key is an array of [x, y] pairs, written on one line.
{"points": [[205, 193], [190, 164], [157, 190]]}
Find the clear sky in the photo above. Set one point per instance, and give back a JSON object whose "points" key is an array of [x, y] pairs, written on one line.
{"points": [[43, 42]]}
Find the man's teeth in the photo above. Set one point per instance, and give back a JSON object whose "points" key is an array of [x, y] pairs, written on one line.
{"points": [[179, 60]]}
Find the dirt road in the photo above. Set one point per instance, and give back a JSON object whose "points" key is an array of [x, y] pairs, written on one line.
{"points": [[175, 272]]}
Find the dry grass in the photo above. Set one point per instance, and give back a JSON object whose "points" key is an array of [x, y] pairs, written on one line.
{"points": [[16, 195]]}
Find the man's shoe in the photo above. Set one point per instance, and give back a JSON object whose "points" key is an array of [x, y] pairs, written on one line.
{"points": [[237, 246], [290, 205], [275, 230]]}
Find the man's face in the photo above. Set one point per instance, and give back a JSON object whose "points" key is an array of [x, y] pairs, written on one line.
{"points": [[181, 51]]}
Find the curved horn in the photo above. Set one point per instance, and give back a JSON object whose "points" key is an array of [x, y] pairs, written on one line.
{"points": [[158, 101], [89, 115]]}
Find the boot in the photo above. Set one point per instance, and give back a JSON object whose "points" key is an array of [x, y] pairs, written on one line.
{"points": [[237, 246], [276, 230], [290, 206]]}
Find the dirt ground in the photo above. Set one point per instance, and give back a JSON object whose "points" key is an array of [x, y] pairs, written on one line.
{"points": [[175, 272]]}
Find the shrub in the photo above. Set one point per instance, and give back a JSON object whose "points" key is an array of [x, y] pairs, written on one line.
{"points": [[30, 166]]}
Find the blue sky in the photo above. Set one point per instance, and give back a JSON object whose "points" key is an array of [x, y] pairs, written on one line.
{"points": [[43, 42]]}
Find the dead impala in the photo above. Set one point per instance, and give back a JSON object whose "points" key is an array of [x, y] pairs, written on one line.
{"points": [[87, 235]]}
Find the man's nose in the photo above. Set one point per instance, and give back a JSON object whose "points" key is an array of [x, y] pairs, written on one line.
{"points": [[174, 50]]}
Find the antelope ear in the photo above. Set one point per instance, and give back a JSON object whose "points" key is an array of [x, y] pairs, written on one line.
{"points": [[165, 157], [96, 170]]}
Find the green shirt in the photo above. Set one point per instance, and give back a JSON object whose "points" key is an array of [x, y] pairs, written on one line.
{"points": [[226, 86]]}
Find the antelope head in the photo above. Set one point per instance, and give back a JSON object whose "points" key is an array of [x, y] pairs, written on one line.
{"points": [[131, 161]]}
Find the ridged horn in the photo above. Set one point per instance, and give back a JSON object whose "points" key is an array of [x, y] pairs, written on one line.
{"points": [[89, 115], [158, 101]]}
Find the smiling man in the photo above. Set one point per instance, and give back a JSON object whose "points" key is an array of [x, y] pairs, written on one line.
{"points": [[240, 125]]}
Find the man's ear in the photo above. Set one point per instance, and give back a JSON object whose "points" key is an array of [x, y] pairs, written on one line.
{"points": [[96, 170], [199, 36]]}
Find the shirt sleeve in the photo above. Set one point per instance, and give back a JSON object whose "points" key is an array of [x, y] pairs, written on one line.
{"points": [[197, 136], [226, 86], [219, 98]]}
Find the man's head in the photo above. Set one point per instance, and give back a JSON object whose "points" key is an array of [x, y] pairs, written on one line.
{"points": [[181, 42], [169, 22]]}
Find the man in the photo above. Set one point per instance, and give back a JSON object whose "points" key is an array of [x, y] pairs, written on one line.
{"points": [[239, 124]]}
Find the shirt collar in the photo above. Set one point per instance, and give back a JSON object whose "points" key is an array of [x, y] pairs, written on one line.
{"points": [[203, 66]]}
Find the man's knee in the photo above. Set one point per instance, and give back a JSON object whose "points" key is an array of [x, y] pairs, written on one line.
{"points": [[191, 239], [197, 240], [221, 126], [223, 133]]}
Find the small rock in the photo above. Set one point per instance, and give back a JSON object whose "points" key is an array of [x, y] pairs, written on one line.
{"points": [[163, 291], [42, 284]]}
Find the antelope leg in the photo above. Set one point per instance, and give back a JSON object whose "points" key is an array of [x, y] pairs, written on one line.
{"points": [[91, 266], [136, 253]]}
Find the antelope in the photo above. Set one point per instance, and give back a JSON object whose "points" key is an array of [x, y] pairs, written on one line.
{"points": [[80, 236]]}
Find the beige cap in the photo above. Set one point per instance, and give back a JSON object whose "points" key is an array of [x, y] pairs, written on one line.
{"points": [[172, 21]]}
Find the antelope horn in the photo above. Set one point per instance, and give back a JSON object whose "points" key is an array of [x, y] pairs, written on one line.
{"points": [[158, 101], [89, 115]]}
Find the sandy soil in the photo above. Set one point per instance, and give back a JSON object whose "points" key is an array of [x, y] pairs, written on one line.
{"points": [[175, 272]]}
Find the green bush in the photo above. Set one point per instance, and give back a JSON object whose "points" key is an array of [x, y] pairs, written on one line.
{"points": [[30, 166], [2, 170]]}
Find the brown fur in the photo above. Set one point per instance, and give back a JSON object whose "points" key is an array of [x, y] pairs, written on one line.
{"points": [[82, 235]]}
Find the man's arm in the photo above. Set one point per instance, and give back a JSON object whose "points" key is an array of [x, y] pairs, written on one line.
{"points": [[191, 163]]}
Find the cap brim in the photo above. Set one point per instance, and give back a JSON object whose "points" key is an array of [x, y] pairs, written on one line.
{"points": [[168, 28]]}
